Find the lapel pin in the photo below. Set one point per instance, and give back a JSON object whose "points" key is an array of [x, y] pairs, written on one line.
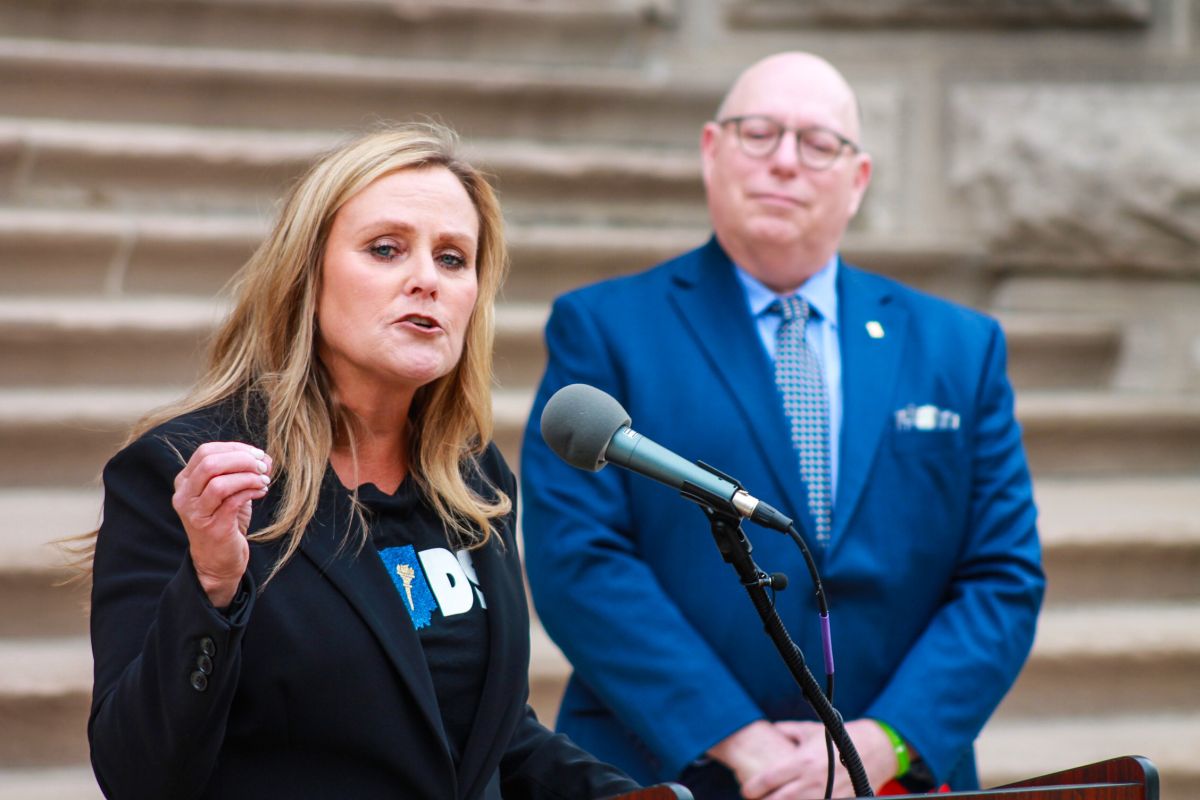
{"points": [[874, 330]]}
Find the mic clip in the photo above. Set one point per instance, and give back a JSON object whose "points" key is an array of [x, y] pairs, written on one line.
{"points": [[710, 500]]}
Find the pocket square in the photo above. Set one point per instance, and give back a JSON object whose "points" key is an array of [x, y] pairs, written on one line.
{"points": [[926, 418]]}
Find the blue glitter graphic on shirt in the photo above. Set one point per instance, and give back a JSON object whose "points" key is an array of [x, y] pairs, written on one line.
{"points": [[405, 568]]}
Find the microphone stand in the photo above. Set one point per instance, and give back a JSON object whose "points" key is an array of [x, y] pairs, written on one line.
{"points": [[735, 548]]}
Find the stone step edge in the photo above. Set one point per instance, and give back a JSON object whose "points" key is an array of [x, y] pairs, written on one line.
{"points": [[261, 148], [244, 230], [591, 12], [49, 783], [241, 230], [30, 316], [1119, 513], [312, 69], [585, 11], [1035, 409], [1169, 740], [44, 316]]}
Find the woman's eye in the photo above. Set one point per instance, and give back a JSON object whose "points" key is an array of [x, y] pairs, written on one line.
{"points": [[384, 250], [452, 260]]}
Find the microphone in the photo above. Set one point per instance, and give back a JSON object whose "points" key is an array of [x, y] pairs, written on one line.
{"points": [[587, 428]]}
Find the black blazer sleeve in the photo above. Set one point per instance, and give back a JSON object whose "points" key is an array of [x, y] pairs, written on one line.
{"points": [[166, 661], [541, 765]]}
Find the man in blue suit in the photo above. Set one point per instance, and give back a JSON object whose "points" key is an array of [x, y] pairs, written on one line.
{"points": [[919, 508]]}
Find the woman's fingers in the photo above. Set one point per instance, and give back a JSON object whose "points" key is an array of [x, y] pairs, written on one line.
{"points": [[218, 490], [213, 495], [215, 471]]}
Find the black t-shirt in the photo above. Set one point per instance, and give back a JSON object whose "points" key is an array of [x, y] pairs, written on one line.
{"points": [[441, 593]]}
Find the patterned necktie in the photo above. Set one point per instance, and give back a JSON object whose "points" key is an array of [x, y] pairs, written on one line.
{"points": [[798, 376]]}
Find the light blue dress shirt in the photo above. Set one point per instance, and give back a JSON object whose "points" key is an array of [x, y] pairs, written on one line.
{"points": [[820, 291]]}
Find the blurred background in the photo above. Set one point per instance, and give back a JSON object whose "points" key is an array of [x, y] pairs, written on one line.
{"points": [[1036, 160]]}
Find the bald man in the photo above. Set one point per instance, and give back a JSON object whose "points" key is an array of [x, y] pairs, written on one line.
{"points": [[878, 417]]}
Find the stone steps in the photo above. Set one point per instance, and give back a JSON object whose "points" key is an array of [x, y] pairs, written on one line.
{"points": [[45, 692], [65, 435], [574, 31], [1056, 351], [1114, 659], [1110, 433], [156, 168], [50, 78], [1107, 544], [54, 783], [76, 252], [1011, 751], [72, 253], [1120, 539], [158, 341]]}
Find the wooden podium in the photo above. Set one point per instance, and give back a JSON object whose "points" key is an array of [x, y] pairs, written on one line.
{"points": [[1125, 778]]}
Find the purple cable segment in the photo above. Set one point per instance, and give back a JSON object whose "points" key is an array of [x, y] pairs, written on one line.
{"points": [[827, 641]]}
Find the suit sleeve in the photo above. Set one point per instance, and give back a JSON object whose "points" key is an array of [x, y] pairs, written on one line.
{"points": [[969, 654], [598, 599], [166, 661], [542, 765]]}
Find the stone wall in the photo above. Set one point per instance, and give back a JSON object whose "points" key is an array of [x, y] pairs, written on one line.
{"points": [[1044, 141]]}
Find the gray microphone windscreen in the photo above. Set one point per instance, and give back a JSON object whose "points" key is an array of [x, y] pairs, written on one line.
{"points": [[578, 423]]}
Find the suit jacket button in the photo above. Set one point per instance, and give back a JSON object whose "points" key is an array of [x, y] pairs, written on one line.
{"points": [[204, 664], [199, 681], [208, 646]]}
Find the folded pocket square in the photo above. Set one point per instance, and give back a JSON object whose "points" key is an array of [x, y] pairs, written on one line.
{"points": [[926, 418]]}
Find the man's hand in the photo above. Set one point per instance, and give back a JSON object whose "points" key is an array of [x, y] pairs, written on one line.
{"points": [[872, 744], [754, 750], [795, 768], [212, 497]]}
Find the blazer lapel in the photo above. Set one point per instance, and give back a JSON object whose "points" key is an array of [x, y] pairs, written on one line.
{"points": [[711, 305], [366, 586], [873, 334], [508, 665]]}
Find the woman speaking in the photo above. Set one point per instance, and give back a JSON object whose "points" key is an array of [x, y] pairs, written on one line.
{"points": [[305, 583]]}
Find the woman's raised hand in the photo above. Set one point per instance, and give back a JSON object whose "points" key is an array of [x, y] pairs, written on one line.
{"points": [[213, 493]]}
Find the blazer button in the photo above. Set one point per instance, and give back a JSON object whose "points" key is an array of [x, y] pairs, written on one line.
{"points": [[199, 681], [208, 646], [204, 664]]}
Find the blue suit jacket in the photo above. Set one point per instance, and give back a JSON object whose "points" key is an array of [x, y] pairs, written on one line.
{"points": [[933, 571]]}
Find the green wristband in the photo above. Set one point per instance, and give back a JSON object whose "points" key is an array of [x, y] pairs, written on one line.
{"points": [[903, 759]]}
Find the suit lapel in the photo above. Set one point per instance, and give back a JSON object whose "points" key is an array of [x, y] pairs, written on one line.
{"points": [[870, 365], [508, 664], [711, 304], [366, 586]]}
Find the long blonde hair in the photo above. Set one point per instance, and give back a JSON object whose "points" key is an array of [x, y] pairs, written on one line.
{"points": [[264, 354]]}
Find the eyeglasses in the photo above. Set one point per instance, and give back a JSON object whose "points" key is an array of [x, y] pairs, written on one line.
{"points": [[816, 147]]}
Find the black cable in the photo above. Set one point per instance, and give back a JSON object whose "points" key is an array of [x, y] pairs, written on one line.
{"points": [[823, 610], [818, 588], [829, 744], [825, 711]]}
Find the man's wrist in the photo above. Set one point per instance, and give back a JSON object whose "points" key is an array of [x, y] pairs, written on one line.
{"points": [[899, 748]]}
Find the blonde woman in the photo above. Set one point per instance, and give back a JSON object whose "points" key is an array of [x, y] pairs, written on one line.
{"points": [[305, 583]]}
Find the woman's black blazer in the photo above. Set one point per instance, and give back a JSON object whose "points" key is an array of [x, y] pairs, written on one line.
{"points": [[316, 687]]}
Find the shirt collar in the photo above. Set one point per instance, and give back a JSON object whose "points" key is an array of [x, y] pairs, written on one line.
{"points": [[820, 291]]}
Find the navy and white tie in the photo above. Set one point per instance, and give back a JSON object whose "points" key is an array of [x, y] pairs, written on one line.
{"points": [[798, 375]]}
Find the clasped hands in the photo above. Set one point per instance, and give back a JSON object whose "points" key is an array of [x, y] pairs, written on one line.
{"points": [[787, 760], [213, 497]]}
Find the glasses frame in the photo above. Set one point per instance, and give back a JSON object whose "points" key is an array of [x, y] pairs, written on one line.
{"points": [[797, 132]]}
